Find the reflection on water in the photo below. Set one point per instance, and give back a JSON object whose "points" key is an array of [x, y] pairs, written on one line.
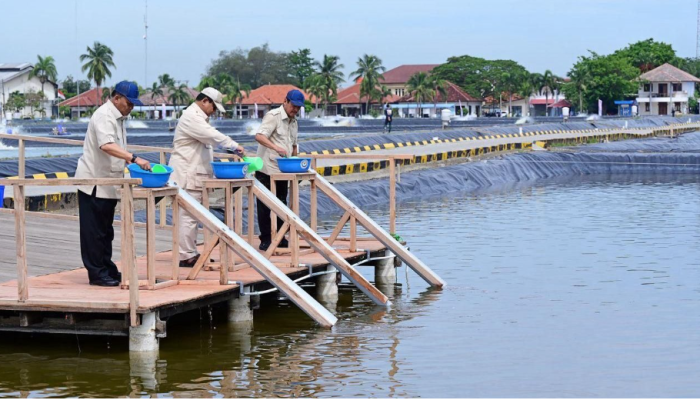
{"points": [[586, 288]]}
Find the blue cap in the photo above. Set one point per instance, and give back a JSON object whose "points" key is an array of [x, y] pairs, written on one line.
{"points": [[296, 97], [129, 90]]}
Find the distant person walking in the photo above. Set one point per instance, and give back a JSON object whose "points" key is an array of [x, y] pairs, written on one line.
{"points": [[104, 156], [388, 115]]}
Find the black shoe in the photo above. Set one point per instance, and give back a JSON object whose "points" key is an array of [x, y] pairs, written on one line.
{"points": [[116, 276], [264, 246], [190, 262], [283, 244], [105, 282]]}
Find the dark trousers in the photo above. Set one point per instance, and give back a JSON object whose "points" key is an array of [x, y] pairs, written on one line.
{"points": [[264, 219], [387, 122], [96, 235]]}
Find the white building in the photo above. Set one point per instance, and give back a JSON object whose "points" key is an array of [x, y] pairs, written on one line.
{"points": [[665, 89], [15, 78]]}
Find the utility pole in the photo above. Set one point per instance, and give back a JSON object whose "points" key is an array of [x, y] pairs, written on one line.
{"points": [[145, 47], [697, 38]]}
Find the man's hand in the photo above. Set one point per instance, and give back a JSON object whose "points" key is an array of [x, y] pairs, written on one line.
{"points": [[281, 151], [240, 150], [144, 164]]}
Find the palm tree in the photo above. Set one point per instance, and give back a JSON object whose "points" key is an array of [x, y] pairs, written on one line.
{"points": [[369, 68], [548, 80], [419, 85], [106, 92], [155, 90], [314, 86], [235, 92], [166, 80], [331, 77], [45, 70], [99, 60], [439, 86], [525, 89], [179, 95], [579, 79]]}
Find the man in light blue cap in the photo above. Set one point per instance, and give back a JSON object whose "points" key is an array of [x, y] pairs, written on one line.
{"points": [[104, 156], [276, 137]]}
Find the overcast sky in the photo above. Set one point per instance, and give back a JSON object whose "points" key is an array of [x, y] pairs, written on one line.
{"points": [[184, 36]]}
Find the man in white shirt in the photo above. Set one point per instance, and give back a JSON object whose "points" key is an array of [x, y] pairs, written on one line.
{"points": [[191, 161], [104, 156]]}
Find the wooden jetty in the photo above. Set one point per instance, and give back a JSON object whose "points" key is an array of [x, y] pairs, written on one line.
{"points": [[154, 287]]}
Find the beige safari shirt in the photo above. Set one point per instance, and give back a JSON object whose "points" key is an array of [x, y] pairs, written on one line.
{"points": [[282, 131], [193, 148], [106, 126]]}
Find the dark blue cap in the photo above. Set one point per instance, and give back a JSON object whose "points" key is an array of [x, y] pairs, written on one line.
{"points": [[296, 97], [129, 90]]}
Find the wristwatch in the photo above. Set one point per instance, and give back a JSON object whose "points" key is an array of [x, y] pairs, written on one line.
{"points": [[133, 158]]}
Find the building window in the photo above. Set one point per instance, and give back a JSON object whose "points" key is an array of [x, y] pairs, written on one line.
{"points": [[647, 107], [677, 106], [677, 87], [647, 87]]}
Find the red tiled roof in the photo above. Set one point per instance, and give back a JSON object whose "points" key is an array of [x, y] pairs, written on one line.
{"points": [[668, 73], [91, 98], [351, 95], [402, 73], [540, 102], [505, 96], [561, 103], [271, 94], [454, 95], [148, 100]]}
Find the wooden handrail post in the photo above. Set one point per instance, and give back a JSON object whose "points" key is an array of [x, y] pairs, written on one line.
{"points": [[163, 202], [313, 200], [21, 239], [127, 251], [21, 169], [392, 196]]}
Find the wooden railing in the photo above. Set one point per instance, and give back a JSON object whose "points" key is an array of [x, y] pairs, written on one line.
{"points": [[128, 255]]}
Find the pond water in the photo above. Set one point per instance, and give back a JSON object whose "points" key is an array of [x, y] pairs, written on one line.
{"points": [[580, 288]]}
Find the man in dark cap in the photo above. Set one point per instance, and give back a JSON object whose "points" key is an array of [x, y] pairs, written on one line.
{"points": [[276, 137], [104, 156]]}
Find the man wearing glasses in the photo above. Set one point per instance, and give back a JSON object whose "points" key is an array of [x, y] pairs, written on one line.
{"points": [[276, 137], [191, 161], [104, 156]]}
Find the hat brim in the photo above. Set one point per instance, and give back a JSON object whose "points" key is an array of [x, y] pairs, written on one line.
{"points": [[297, 103], [220, 107], [135, 101]]}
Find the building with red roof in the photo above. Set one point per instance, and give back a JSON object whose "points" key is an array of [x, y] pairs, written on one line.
{"points": [[455, 98], [81, 103], [267, 97]]}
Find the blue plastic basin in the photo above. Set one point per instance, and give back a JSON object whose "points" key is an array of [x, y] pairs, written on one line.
{"points": [[2, 195], [294, 165], [150, 179], [229, 170]]}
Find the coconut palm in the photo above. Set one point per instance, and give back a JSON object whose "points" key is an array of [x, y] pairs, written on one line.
{"points": [[155, 91], [235, 92], [439, 87], [166, 80], [579, 79], [45, 70], [179, 95], [419, 85], [369, 69], [99, 59], [525, 89], [331, 77], [548, 82], [106, 92], [314, 86]]}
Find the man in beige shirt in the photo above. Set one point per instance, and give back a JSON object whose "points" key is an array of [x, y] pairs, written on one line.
{"points": [[276, 137], [191, 161], [104, 156]]}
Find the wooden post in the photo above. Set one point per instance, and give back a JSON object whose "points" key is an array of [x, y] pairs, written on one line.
{"points": [[392, 196], [353, 233], [313, 200], [164, 201], [205, 203], [176, 238], [251, 214], [293, 236], [238, 208], [272, 216], [21, 171], [225, 253], [21, 238], [151, 238], [128, 259]]}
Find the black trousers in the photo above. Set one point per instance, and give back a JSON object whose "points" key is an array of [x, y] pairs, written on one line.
{"points": [[96, 235], [264, 219], [387, 122]]}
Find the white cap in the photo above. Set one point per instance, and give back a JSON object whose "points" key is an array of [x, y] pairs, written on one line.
{"points": [[216, 96]]}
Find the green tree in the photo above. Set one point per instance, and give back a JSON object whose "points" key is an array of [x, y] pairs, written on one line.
{"points": [[254, 67], [331, 77], [648, 54], [106, 92], [512, 83], [155, 91], [477, 76], [45, 70], [235, 93], [369, 69], [179, 95], [99, 59], [301, 66], [315, 87], [16, 101], [608, 78], [420, 87], [577, 86], [71, 86], [439, 87], [166, 81]]}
